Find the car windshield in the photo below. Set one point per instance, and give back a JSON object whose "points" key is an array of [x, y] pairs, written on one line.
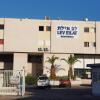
{"points": [[43, 78]]}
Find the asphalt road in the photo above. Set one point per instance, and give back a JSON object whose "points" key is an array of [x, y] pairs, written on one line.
{"points": [[82, 93]]}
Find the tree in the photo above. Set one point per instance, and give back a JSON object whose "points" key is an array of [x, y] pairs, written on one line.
{"points": [[71, 61], [52, 70]]}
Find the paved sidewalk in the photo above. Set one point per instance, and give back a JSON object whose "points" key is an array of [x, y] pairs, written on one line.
{"points": [[12, 97], [34, 93]]}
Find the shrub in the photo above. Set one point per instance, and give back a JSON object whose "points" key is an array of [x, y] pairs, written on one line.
{"points": [[30, 80]]}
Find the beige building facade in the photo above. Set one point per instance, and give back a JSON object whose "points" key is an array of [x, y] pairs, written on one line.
{"points": [[26, 43]]}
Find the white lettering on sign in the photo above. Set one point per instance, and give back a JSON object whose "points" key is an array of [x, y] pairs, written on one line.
{"points": [[67, 31]]}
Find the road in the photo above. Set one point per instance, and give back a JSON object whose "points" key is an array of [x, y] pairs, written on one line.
{"points": [[61, 94], [82, 93]]}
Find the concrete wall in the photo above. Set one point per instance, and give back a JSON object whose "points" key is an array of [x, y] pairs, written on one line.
{"points": [[23, 35], [73, 45], [1, 34], [97, 37], [19, 36], [20, 61]]}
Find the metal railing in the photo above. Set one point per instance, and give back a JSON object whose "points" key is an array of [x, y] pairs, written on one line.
{"points": [[12, 82]]}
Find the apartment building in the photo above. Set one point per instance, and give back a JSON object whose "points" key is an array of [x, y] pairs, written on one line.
{"points": [[28, 42]]}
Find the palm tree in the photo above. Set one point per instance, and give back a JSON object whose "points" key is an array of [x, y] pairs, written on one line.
{"points": [[71, 61], [52, 70]]}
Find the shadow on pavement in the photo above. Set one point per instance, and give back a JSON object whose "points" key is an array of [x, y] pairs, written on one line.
{"points": [[58, 94]]}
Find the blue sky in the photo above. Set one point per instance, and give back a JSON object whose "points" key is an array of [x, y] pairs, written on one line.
{"points": [[65, 9]]}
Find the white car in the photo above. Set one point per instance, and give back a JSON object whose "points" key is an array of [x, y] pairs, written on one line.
{"points": [[43, 81]]}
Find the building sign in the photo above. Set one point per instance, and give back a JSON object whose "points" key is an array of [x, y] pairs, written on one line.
{"points": [[67, 31]]}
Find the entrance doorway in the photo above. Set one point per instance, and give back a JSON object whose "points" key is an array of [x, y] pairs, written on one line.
{"points": [[6, 61], [35, 64]]}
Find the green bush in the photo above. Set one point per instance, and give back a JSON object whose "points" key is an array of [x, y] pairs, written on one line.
{"points": [[30, 80]]}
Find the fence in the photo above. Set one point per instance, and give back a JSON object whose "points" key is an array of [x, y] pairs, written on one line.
{"points": [[12, 82]]}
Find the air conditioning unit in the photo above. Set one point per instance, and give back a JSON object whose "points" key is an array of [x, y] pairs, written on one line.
{"points": [[46, 49], [40, 49]]}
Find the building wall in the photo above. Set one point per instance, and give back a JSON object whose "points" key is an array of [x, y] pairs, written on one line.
{"points": [[89, 37], [43, 36], [97, 37], [73, 45], [19, 36], [20, 61], [1, 34], [23, 35]]}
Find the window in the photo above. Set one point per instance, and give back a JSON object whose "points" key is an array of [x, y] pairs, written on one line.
{"points": [[1, 41], [35, 58], [94, 44], [45, 49], [83, 73], [41, 28], [86, 44], [93, 30], [48, 28], [1, 26], [86, 29], [40, 49]]}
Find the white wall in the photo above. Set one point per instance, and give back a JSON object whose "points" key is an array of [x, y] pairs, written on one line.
{"points": [[72, 45], [79, 64], [97, 60], [68, 45], [20, 35], [97, 37], [20, 61], [88, 61], [23, 35], [1, 65]]}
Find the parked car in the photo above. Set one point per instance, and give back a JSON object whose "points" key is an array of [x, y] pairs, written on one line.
{"points": [[64, 83], [43, 81]]}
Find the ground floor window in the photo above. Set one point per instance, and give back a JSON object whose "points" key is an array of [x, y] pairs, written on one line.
{"points": [[82, 73]]}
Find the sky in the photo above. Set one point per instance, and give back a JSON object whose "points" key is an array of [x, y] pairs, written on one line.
{"points": [[63, 9]]}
